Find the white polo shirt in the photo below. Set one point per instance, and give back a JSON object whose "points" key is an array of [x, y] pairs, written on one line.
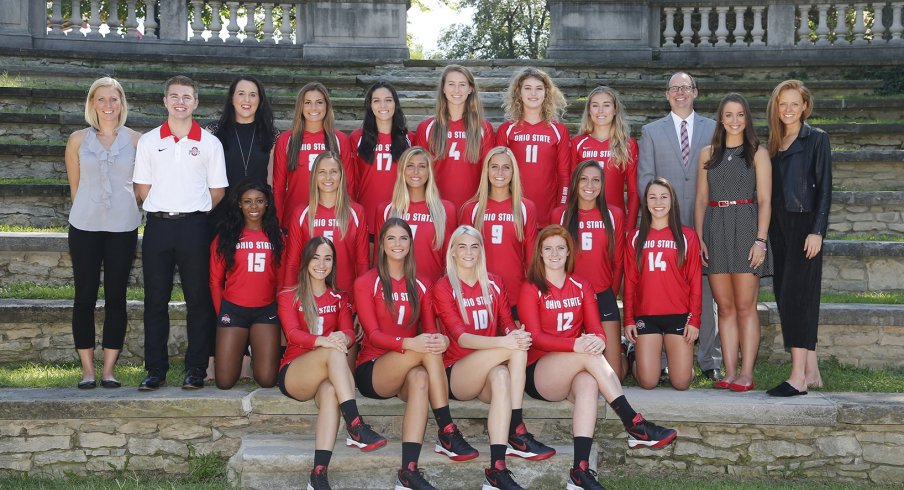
{"points": [[181, 172]]}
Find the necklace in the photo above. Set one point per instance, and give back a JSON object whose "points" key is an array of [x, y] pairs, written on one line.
{"points": [[731, 152], [242, 151]]}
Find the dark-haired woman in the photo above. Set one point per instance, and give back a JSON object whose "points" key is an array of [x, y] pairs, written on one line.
{"points": [[734, 191], [402, 351], [457, 135], [663, 289], [244, 271], [376, 147], [317, 320], [566, 356], [598, 231], [801, 198], [313, 132]]}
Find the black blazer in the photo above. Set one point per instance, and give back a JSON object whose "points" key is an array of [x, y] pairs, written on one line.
{"points": [[806, 173]]}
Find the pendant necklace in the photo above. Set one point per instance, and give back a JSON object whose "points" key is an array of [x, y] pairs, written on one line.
{"points": [[245, 161]]}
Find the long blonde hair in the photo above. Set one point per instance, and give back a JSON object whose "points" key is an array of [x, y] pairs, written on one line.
{"points": [[401, 199], [619, 154], [297, 132], [483, 191], [343, 203], [473, 118], [553, 108], [481, 269], [776, 127]]}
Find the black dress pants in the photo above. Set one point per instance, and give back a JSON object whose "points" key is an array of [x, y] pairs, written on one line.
{"points": [[797, 280]]}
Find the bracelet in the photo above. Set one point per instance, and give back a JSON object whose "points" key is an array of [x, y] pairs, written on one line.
{"points": [[763, 240], [760, 245]]}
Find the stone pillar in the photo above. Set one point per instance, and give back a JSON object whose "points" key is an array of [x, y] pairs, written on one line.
{"points": [[601, 30], [20, 20], [780, 23], [363, 29], [173, 15]]}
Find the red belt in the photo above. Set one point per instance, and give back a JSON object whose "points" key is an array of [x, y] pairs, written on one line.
{"points": [[725, 204]]}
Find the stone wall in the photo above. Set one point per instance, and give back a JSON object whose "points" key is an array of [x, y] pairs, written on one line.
{"points": [[867, 212]]}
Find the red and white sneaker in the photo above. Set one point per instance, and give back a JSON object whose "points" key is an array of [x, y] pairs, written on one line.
{"points": [[361, 436], [523, 445], [451, 443], [647, 434]]}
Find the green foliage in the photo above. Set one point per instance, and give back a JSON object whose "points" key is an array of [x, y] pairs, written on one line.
{"points": [[868, 297], [503, 29], [30, 290]]}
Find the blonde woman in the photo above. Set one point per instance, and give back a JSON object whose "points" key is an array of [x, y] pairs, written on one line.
{"points": [[103, 224], [457, 135], [539, 140], [416, 200], [506, 218], [317, 321]]}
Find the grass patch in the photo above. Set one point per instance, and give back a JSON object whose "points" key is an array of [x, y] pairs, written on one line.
{"points": [[7, 80], [866, 237], [867, 297], [28, 180], [32, 229], [625, 477], [848, 120], [30, 290]]}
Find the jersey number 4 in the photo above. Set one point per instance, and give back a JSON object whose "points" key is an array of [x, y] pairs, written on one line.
{"points": [[654, 261]]}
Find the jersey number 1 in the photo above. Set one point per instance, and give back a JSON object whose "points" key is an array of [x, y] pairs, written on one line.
{"points": [[530, 153]]}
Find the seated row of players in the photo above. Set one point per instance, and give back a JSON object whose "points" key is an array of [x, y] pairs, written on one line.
{"points": [[477, 350]]}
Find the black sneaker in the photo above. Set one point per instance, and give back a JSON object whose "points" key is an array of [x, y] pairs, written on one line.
{"points": [[499, 479], [583, 478], [361, 436], [523, 445], [411, 478], [319, 480], [647, 434], [451, 443]]}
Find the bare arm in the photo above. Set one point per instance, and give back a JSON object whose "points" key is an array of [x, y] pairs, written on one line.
{"points": [[72, 161], [702, 199], [142, 191], [763, 167], [216, 195]]}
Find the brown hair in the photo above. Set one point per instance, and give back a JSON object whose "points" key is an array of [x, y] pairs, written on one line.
{"points": [[297, 131], [646, 220]]}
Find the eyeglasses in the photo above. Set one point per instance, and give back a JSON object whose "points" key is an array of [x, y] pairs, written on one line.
{"points": [[681, 88]]}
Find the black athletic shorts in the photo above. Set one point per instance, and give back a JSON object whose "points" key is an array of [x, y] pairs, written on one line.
{"points": [[605, 301], [449, 379], [661, 324], [364, 380], [529, 387], [515, 313], [281, 381], [233, 315]]}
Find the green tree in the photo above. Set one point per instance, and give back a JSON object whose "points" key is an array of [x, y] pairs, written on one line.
{"points": [[500, 29]]}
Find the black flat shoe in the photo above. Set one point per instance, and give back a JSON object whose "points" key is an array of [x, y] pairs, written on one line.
{"points": [[110, 383], [87, 384], [713, 374], [785, 390], [194, 379], [152, 382]]}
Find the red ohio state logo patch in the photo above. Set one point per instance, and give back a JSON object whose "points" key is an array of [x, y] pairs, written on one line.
{"points": [[194, 151]]}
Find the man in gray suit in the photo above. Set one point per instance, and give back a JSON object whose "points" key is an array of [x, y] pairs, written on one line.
{"points": [[670, 148]]}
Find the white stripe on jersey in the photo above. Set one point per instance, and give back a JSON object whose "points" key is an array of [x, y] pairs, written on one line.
{"points": [[354, 216], [421, 285], [301, 218], [523, 213], [556, 130], [508, 132], [333, 294], [634, 238], [376, 284], [495, 286], [429, 128], [580, 143], [578, 284]]}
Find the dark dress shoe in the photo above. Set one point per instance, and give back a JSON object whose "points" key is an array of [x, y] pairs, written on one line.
{"points": [[784, 390], [152, 382], [713, 374], [110, 383], [87, 384], [194, 379]]}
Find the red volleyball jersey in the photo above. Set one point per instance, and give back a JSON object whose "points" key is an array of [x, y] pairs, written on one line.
{"points": [[253, 278], [375, 180], [431, 263], [335, 314], [544, 160], [290, 189], [592, 247], [505, 254], [559, 317], [662, 287], [384, 330], [586, 147], [456, 177], [351, 249], [489, 321]]}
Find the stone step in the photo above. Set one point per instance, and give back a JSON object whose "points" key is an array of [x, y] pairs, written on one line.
{"points": [[267, 461]]}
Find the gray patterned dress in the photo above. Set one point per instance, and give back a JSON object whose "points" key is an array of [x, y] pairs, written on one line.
{"points": [[730, 231]]}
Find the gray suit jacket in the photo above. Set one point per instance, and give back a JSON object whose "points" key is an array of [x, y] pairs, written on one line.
{"points": [[660, 156]]}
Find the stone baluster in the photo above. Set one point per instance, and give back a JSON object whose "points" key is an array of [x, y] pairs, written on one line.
{"points": [[150, 25], [131, 20], [197, 24], [216, 24], [113, 19], [56, 18], [757, 32], [721, 28], [897, 28], [285, 24], [705, 32], [803, 30], [94, 18], [686, 36], [233, 27], [859, 26], [822, 29], [669, 32], [75, 18], [268, 23], [878, 28], [250, 25], [739, 33]]}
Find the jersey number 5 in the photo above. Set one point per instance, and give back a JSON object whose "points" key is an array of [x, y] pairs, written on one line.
{"points": [[655, 262]]}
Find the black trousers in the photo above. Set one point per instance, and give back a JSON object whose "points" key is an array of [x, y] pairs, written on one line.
{"points": [[797, 280], [167, 244], [91, 251]]}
